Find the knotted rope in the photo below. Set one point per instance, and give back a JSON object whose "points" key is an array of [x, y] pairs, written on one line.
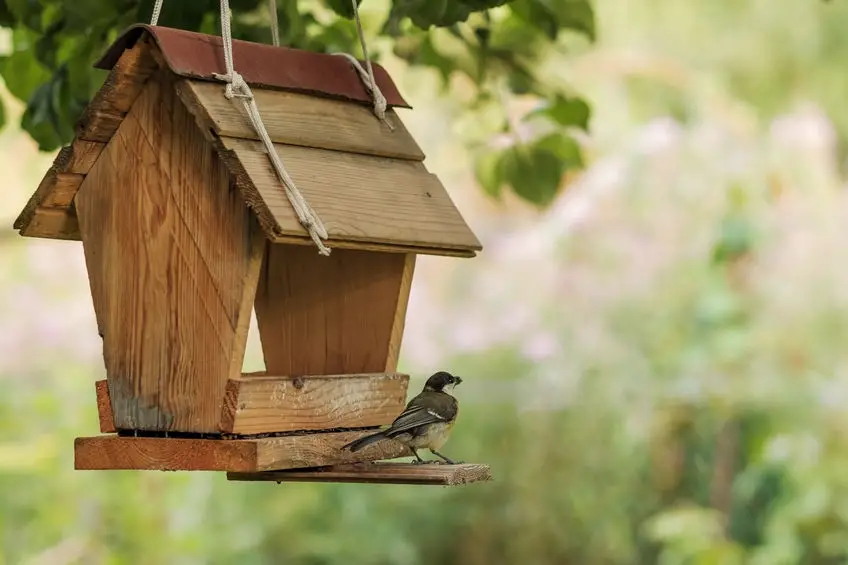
{"points": [[236, 87]]}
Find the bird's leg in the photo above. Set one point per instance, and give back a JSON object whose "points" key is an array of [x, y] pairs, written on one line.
{"points": [[417, 457], [447, 459]]}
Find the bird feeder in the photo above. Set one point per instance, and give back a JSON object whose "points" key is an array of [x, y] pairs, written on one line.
{"points": [[186, 229]]}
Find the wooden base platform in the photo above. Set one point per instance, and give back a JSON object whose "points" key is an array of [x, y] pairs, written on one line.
{"points": [[379, 473], [112, 452]]}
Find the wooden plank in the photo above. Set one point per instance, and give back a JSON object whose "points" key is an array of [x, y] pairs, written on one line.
{"points": [[265, 404], [168, 246], [111, 452], [378, 473], [327, 315], [98, 123], [358, 197], [381, 247], [399, 321], [300, 119], [248, 296], [52, 223], [104, 407], [122, 86], [63, 190], [83, 155]]}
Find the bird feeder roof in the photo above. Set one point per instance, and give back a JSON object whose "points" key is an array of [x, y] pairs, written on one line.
{"points": [[200, 56], [366, 182]]}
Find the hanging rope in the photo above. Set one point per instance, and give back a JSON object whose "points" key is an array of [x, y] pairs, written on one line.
{"points": [[275, 22], [238, 88], [367, 76], [157, 9]]}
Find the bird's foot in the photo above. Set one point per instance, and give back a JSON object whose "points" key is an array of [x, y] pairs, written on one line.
{"points": [[446, 460]]}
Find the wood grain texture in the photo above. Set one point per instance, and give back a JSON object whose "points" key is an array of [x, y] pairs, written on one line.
{"points": [[83, 155], [327, 315], [95, 128], [250, 282], [378, 473], [358, 197], [168, 246], [381, 247], [399, 321], [299, 119], [111, 452], [51, 223], [63, 190], [266, 404], [122, 86], [104, 407]]}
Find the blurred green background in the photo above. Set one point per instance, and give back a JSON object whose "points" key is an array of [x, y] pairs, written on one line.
{"points": [[655, 362]]}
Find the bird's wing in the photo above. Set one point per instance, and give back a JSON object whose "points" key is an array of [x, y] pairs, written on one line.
{"points": [[415, 415]]}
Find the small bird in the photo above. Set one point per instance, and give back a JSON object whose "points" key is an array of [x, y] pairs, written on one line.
{"points": [[426, 421]]}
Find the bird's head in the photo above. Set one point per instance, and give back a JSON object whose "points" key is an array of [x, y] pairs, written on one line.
{"points": [[441, 381]]}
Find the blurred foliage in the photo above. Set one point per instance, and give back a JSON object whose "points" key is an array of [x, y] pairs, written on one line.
{"points": [[655, 364], [494, 43]]}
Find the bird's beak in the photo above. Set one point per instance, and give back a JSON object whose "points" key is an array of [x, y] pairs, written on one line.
{"points": [[457, 380]]}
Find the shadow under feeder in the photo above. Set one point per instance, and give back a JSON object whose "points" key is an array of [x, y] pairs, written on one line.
{"points": [[186, 230]]}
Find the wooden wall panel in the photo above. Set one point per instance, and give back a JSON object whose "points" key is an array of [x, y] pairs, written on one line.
{"points": [[172, 259], [327, 315]]}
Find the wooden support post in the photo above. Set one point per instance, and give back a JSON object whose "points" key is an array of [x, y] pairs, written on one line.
{"points": [[104, 408], [379, 473]]}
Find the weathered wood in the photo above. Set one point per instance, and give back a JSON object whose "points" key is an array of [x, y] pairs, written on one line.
{"points": [[96, 127], [104, 407], [83, 155], [122, 86], [327, 315], [169, 248], [63, 190], [381, 247], [265, 404], [249, 285], [358, 197], [52, 223], [239, 455], [299, 119], [378, 473], [399, 321]]}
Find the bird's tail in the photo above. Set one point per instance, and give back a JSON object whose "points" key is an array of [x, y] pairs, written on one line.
{"points": [[358, 444]]}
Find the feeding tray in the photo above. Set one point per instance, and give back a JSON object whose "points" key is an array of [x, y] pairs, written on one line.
{"points": [[383, 473], [186, 229]]}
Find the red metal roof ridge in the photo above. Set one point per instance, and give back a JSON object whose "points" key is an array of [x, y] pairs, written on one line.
{"points": [[198, 56]]}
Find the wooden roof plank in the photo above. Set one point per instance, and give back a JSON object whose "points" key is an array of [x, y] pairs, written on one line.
{"points": [[358, 197], [300, 119], [201, 56]]}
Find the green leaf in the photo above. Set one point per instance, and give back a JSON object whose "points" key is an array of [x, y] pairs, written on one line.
{"points": [[23, 74], [343, 8], [564, 147], [533, 172], [489, 172], [564, 111], [538, 15], [736, 238], [38, 119], [575, 15], [2, 115]]}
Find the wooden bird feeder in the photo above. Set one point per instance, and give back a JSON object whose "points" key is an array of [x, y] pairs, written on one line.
{"points": [[186, 229]]}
